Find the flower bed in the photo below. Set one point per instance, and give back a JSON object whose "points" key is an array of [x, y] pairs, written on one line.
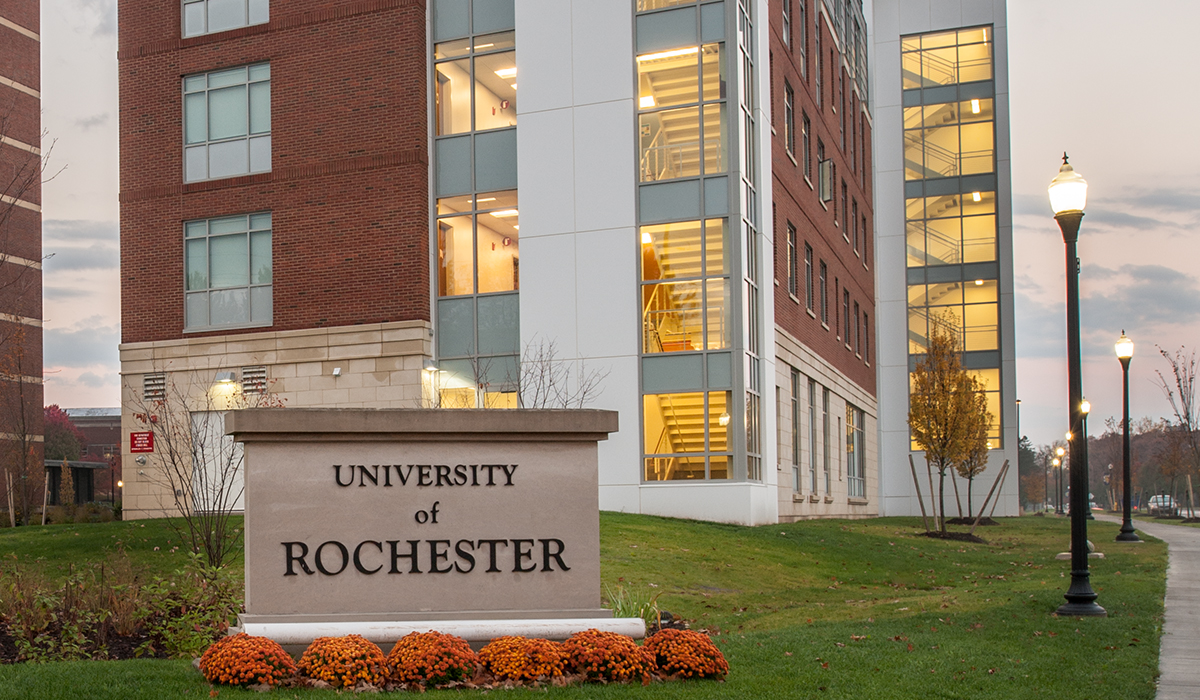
{"points": [[431, 658], [344, 661], [246, 660], [607, 656]]}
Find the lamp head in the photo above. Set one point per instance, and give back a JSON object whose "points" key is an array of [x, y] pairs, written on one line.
{"points": [[1085, 406], [723, 419], [1060, 452], [1056, 461], [1124, 347], [1068, 191]]}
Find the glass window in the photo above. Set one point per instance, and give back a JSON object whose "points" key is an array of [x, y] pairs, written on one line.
{"points": [[211, 16], [808, 276], [685, 287], [789, 119], [677, 140], [806, 152], [478, 244], [227, 263], [946, 58], [482, 88], [812, 435], [686, 435], [824, 294], [227, 123], [792, 263], [826, 457], [855, 452]]}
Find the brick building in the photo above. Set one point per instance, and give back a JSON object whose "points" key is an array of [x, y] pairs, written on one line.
{"points": [[329, 202], [20, 252]]}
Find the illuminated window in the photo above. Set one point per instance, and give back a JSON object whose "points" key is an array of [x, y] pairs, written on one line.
{"points": [[685, 286], [946, 58], [686, 436], [681, 120]]}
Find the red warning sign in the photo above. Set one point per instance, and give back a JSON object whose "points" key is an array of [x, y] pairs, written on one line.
{"points": [[141, 442]]}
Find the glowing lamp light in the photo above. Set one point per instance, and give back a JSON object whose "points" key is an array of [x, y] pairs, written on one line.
{"points": [[1068, 190], [646, 102], [977, 196], [646, 238], [1124, 347], [224, 377], [1056, 461], [1085, 406], [120, 484], [1060, 451], [975, 107], [723, 420]]}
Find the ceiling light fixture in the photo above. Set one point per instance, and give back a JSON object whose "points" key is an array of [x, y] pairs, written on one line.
{"points": [[977, 196], [505, 213], [646, 102], [669, 54], [507, 73], [974, 106], [646, 238]]}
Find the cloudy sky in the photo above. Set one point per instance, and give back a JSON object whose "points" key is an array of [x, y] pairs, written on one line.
{"points": [[1112, 86]]}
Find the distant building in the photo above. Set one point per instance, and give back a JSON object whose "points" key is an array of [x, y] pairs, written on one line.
{"points": [[352, 205], [943, 209], [20, 243]]}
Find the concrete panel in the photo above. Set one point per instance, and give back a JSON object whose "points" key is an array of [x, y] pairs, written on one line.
{"points": [[885, 24], [607, 286], [602, 40], [914, 16], [545, 171], [604, 166], [548, 309], [620, 455], [975, 12], [945, 13], [543, 56], [620, 499], [889, 154]]}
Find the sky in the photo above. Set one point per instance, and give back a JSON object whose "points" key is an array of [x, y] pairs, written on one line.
{"points": [[1110, 85]]}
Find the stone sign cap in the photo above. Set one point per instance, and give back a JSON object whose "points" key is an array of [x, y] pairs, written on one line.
{"points": [[420, 425]]}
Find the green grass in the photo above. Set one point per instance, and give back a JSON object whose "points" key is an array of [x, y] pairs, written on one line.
{"points": [[826, 609], [1165, 521]]}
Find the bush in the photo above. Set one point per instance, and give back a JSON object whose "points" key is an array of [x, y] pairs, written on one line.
{"points": [[246, 660], [344, 661], [183, 615], [608, 656], [687, 654], [518, 658], [431, 658]]}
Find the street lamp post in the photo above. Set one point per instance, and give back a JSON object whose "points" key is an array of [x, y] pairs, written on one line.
{"points": [[1124, 349], [1068, 197]]}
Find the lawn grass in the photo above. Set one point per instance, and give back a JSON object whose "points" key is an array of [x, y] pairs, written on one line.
{"points": [[152, 546], [828, 609], [1163, 521]]}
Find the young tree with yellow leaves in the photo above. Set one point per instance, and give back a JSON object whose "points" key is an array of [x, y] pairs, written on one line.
{"points": [[943, 400], [979, 422]]}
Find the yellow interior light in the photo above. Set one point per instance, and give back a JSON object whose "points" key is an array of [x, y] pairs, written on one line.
{"points": [[978, 283], [723, 419], [646, 102], [669, 54], [646, 239], [507, 73], [974, 106], [505, 213], [977, 196]]}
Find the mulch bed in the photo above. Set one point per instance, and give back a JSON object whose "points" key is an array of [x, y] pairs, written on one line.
{"points": [[956, 536], [112, 646]]}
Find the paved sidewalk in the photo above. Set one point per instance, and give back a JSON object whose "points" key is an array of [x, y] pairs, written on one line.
{"points": [[1179, 655]]}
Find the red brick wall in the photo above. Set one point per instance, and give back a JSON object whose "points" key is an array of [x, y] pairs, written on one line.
{"points": [[797, 202], [349, 181], [20, 228], [22, 12]]}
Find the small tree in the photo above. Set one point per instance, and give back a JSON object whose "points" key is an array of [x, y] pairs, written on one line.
{"points": [[1180, 391], [197, 467], [941, 402], [63, 439], [66, 487]]}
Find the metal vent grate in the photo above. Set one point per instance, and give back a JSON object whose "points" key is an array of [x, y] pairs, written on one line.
{"points": [[154, 386], [254, 380]]}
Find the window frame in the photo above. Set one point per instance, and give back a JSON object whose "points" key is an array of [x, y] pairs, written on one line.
{"points": [[808, 277], [792, 263], [824, 269], [249, 137], [261, 7], [789, 120]]}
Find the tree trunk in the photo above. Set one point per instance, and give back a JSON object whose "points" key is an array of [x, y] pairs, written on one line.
{"points": [[957, 498], [942, 498], [970, 483], [8, 487]]}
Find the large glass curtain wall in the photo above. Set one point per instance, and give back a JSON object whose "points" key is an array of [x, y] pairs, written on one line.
{"points": [[476, 226], [687, 256], [950, 206]]}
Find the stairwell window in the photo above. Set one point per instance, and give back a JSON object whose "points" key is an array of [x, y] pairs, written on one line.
{"points": [[686, 436], [211, 16], [228, 272], [227, 123], [682, 112], [685, 286]]}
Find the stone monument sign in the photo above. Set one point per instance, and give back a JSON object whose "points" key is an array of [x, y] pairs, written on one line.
{"points": [[387, 517]]}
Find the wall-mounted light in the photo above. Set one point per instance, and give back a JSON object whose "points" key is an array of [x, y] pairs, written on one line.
{"points": [[429, 365], [141, 460], [225, 378], [337, 371], [723, 419], [120, 484]]}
